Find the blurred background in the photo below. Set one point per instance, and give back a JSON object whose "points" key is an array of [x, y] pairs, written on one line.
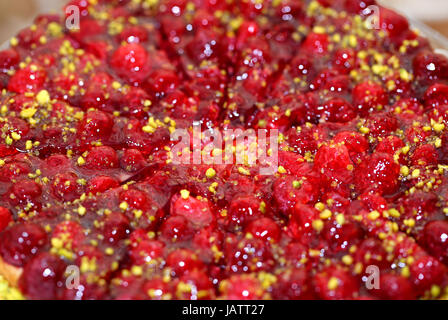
{"points": [[16, 14]]}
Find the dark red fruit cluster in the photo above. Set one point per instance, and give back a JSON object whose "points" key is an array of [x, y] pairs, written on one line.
{"points": [[86, 171]]}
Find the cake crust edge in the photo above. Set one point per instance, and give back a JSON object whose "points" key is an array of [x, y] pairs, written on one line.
{"points": [[10, 273]]}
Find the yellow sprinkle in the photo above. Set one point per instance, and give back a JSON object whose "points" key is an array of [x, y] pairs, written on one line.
{"points": [[405, 272], [212, 187], [81, 161], [57, 243], [137, 270], [318, 225], [16, 136], [435, 291], [138, 214], [326, 214], [116, 85], [364, 130], [28, 145], [319, 29], [405, 75], [340, 219], [281, 169], [14, 41], [373, 215], [28, 113], [124, 206], [43, 97], [210, 173], [404, 171], [438, 143], [243, 171], [296, 184], [352, 41], [109, 251], [348, 260], [409, 222], [319, 206], [416, 173], [333, 283], [263, 207], [438, 127], [394, 213], [82, 211], [185, 194]]}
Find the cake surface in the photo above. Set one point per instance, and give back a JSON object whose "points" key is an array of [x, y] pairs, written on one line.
{"points": [[87, 178]]}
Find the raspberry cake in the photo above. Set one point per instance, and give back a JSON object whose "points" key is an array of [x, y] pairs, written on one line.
{"points": [[86, 178]]}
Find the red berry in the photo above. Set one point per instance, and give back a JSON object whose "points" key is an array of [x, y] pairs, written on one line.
{"points": [[390, 145], [371, 252], [425, 155], [101, 158], [335, 284], [25, 191], [196, 211], [344, 60], [338, 110], [5, 218], [382, 124], [130, 61], [162, 81], [316, 43], [243, 209], [342, 237], [394, 287], [13, 170], [183, 261], [176, 228], [96, 124], [392, 22], [145, 251], [9, 58], [21, 242], [293, 284], [116, 227], [136, 199], [367, 96], [65, 186], [436, 95], [430, 66], [43, 277], [247, 255], [427, 271], [333, 162], [265, 229], [132, 160], [133, 34], [435, 239], [101, 184], [356, 6], [29, 79], [379, 172]]}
